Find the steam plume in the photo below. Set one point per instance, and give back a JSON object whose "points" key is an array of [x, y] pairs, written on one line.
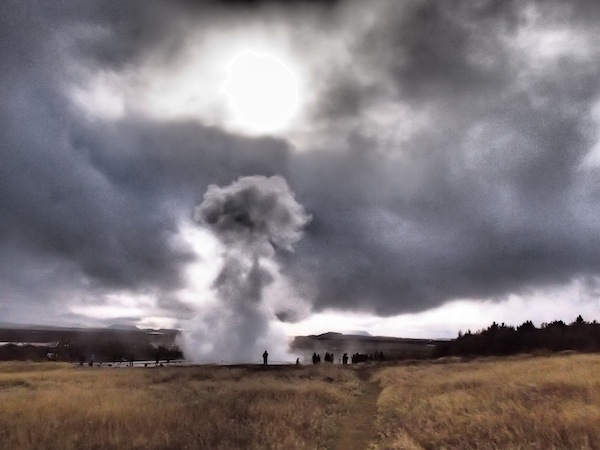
{"points": [[254, 217]]}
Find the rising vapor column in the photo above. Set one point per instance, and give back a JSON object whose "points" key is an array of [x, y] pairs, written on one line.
{"points": [[253, 217]]}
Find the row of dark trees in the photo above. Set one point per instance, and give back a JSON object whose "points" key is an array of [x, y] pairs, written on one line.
{"points": [[14, 352], [102, 345], [526, 338], [117, 352], [111, 351]]}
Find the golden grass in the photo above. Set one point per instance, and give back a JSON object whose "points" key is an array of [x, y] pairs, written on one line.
{"points": [[60, 406], [516, 403], [513, 403]]}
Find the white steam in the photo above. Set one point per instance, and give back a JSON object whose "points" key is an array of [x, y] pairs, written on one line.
{"points": [[254, 218]]}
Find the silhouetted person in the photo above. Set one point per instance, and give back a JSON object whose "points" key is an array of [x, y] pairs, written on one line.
{"points": [[297, 361], [314, 357], [265, 357], [345, 358]]}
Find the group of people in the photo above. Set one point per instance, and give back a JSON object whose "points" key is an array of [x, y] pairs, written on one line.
{"points": [[360, 357], [329, 357], [356, 358]]}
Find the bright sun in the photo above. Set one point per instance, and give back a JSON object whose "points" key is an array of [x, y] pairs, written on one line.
{"points": [[262, 91]]}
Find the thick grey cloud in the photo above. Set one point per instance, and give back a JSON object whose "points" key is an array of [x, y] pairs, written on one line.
{"points": [[445, 157], [491, 196], [103, 199]]}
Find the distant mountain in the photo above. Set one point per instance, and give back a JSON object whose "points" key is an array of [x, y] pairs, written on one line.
{"points": [[13, 325], [84, 328], [362, 342], [329, 334], [118, 326], [358, 333], [345, 333], [28, 326]]}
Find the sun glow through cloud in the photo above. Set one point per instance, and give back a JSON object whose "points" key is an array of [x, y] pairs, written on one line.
{"points": [[262, 91], [450, 159]]}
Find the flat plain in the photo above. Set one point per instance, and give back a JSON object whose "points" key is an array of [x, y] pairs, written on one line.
{"points": [[523, 402]]}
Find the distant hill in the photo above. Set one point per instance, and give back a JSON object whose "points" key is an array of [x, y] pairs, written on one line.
{"points": [[27, 326], [358, 333], [123, 327], [19, 341], [340, 343]]}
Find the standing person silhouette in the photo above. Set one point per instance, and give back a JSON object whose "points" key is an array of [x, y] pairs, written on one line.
{"points": [[265, 357]]}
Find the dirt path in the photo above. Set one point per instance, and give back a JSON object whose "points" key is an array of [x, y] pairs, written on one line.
{"points": [[358, 428]]}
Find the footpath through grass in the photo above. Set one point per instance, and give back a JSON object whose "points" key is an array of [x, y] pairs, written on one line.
{"points": [[358, 424]]}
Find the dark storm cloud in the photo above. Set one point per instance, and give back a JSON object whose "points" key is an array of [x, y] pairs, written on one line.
{"points": [[433, 50], [491, 196], [100, 200], [154, 158], [479, 192], [54, 200]]}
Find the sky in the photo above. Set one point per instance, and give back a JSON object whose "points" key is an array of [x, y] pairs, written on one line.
{"points": [[247, 171]]}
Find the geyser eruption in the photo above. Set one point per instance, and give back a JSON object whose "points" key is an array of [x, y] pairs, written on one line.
{"points": [[254, 217]]}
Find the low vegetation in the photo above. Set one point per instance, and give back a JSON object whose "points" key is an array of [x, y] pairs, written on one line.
{"points": [[60, 406], [506, 339], [520, 402], [517, 403]]}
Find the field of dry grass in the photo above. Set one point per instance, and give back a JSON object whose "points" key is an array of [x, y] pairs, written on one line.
{"points": [[60, 406], [514, 403], [517, 403]]}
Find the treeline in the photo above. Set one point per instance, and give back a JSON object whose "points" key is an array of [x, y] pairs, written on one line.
{"points": [[526, 338], [104, 352], [99, 345], [114, 351]]}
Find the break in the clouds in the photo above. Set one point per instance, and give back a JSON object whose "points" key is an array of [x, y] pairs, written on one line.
{"points": [[445, 151]]}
